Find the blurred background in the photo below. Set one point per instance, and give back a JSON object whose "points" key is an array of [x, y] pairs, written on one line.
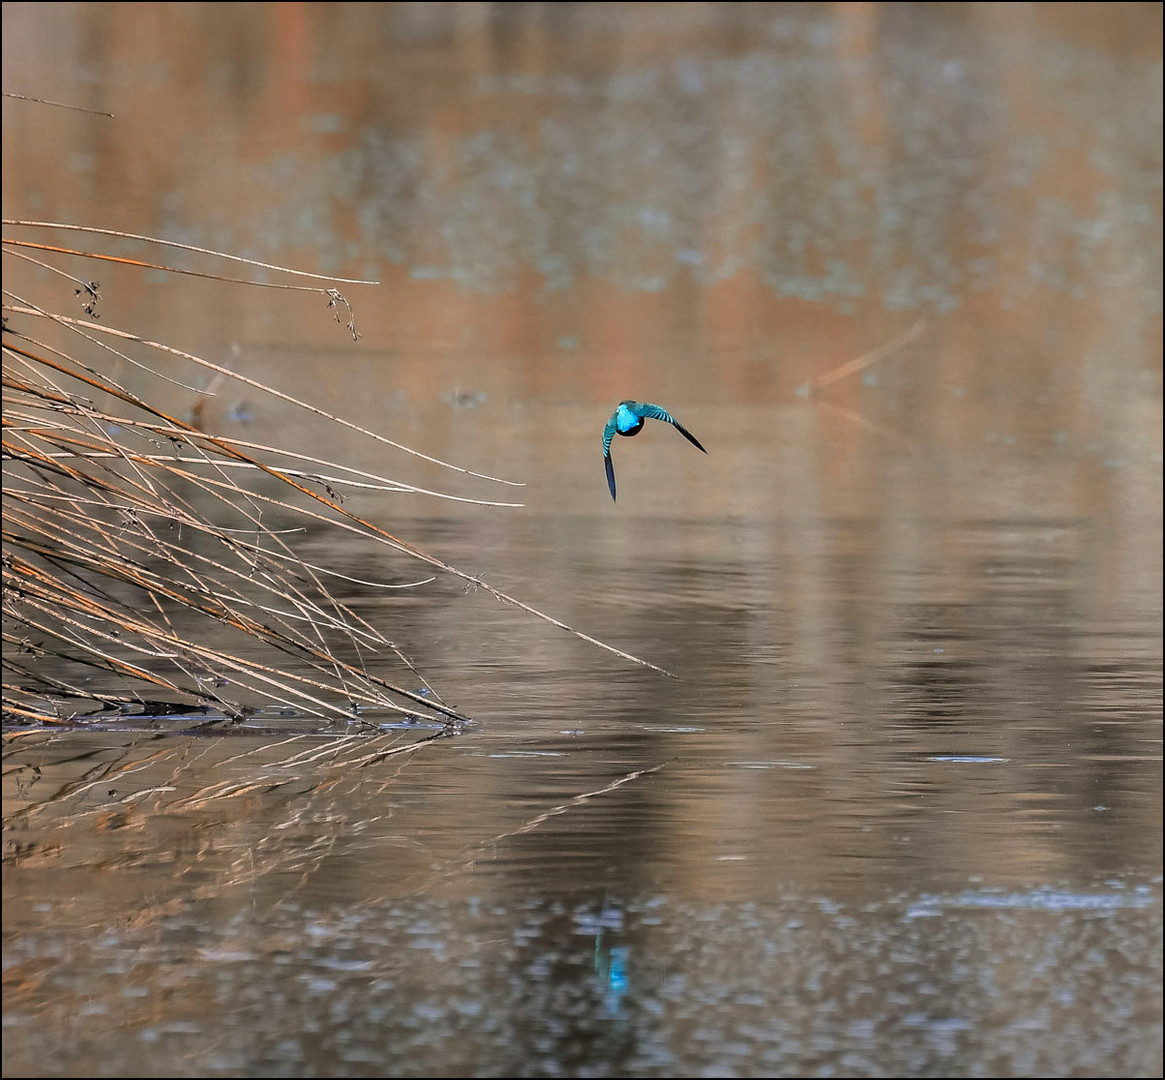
{"points": [[899, 268]]}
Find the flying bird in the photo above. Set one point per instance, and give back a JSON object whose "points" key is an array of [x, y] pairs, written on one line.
{"points": [[627, 420]]}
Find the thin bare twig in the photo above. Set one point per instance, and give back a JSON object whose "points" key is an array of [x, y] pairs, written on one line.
{"points": [[57, 104], [852, 367]]}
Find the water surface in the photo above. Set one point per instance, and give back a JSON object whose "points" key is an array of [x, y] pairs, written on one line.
{"points": [[899, 813]]}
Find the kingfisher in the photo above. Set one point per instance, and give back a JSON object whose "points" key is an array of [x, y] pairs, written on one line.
{"points": [[627, 420]]}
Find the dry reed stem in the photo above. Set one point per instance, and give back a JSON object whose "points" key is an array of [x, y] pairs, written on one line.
{"points": [[57, 104], [254, 384], [183, 247]]}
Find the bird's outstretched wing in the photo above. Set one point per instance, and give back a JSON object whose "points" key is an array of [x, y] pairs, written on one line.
{"points": [[608, 435], [654, 412]]}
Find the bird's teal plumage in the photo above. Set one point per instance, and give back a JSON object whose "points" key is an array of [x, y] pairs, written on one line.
{"points": [[628, 420]]}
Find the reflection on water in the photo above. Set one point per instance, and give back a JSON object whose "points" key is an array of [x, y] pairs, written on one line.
{"points": [[657, 986], [900, 813]]}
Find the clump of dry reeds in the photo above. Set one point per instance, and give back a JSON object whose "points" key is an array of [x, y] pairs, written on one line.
{"points": [[142, 552], [135, 545]]}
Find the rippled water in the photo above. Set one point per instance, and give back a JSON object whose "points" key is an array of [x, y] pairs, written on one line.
{"points": [[899, 811]]}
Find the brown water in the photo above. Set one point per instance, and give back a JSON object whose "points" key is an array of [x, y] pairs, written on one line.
{"points": [[900, 814]]}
